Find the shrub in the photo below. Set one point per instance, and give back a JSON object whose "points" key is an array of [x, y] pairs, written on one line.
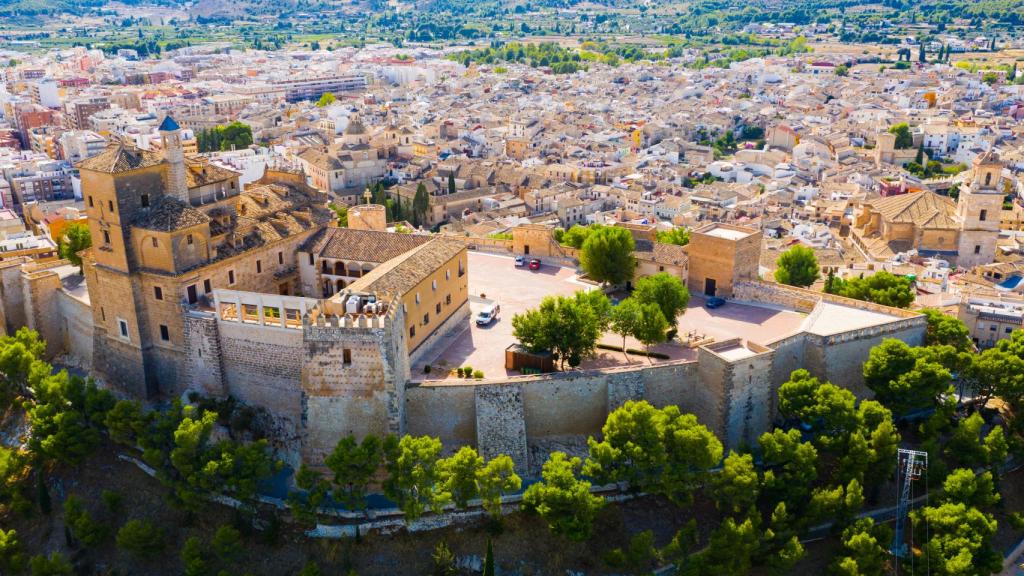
{"points": [[478, 374], [459, 371], [112, 500], [227, 543], [467, 371], [55, 565], [141, 538]]}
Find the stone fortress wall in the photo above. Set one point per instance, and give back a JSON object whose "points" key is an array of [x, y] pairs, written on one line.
{"points": [[322, 374]]}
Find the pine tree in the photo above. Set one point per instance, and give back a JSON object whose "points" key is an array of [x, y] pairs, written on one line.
{"points": [[921, 54]]}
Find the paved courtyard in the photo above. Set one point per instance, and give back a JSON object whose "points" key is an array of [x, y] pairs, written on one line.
{"points": [[518, 289]]}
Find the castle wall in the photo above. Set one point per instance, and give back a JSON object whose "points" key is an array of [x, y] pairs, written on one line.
{"points": [[349, 375], [12, 298], [41, 309], [261, 366], [204, 370], [77, 330], [503, 416]]}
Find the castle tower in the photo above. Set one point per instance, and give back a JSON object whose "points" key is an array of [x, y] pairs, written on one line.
{"points": [[885, 147], [174, 155], [978, 208]]}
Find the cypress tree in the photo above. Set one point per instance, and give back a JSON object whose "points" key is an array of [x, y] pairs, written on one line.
{"points": [[489, 560]]}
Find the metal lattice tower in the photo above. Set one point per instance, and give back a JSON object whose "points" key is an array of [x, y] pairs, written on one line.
{"points": [[910, 466]]}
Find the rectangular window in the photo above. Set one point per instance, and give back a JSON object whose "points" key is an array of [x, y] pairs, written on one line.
{"points": [[231, 277], [123, 325], [259, 267], [437, 308], [977, 249], [1009, 329], [155, 243], [311, 259], [145, 200], [103, 314], [983, 215], [280, 257], [207, 288], [992, 328], [193, 295], [426, 319], [412, 331], [448, 300], [165, 334], [110, 204], [158, 293], [90, 202], [346, 357], [189, 239], [106, 237]]}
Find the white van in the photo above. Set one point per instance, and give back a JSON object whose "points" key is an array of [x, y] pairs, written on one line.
{"points": [[488, 315]]}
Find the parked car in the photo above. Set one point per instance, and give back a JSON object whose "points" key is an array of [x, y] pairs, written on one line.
{"points": [[488, 315], [520, 261], [714, 302], [534, 264]]}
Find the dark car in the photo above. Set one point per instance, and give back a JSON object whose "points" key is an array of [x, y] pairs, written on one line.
{"points": [[534, 264], [714, 302]]}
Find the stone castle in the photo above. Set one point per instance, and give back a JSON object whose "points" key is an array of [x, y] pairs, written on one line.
{"points": [[193, 284]]}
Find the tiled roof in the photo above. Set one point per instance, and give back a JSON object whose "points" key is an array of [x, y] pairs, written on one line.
{"points": [[119, 158], [401, 274], [169, 214], [201, 173], [923, 209], [661, 253], [362, 245]]}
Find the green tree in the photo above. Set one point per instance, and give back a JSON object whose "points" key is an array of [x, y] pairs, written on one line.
{"points": [[326, 99], [234, 136], [904, 140], [305, 507], [341, 212], [227, 544], [946, 330], [12, 556], [458, 475], [567, 326], [607, 255], [413, 480], [737, 486], [489, 559], [420, 204], [965, 487], [882, 288], [624, 320], [141, 538], [494, 480], [81, 524], [76, 238], [730, 549], [125, 421], [666, 291], [576, 235], [354, 464], [678, 236], [563, 500], [661, 451], [193, 557], [790, 466], [797, 267], [961, 539], [865, 549], [904, 378], [842, 70], [310, 569], [451, 183], [54, 565], [651, 326], [444, 560]]}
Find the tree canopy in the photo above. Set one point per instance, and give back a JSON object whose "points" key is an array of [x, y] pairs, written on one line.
{"points": [[607, 255], [797, 267], [882, 288]]}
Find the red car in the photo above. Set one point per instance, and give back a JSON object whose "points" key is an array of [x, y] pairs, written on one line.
{"points": [[534, 264]]}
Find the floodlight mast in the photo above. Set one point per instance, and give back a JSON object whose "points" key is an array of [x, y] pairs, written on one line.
{"points": [[910, 466]]}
